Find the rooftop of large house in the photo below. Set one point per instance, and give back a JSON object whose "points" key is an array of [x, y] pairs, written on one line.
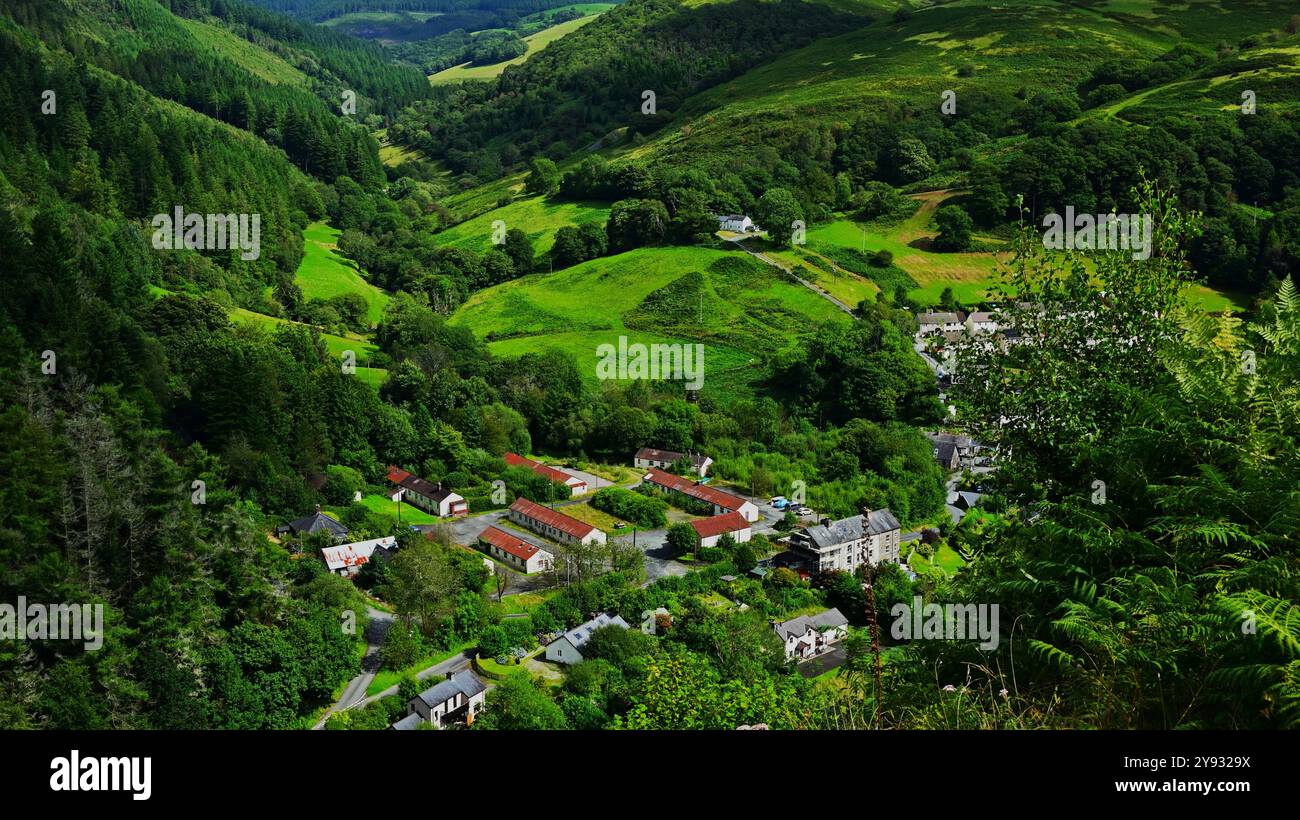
{"points": [[853, 528], [516, 460], [719, 524], [798, 627], [464, 683], [581, 633], [552, 518], [694, 489], [671, 457], [512, 544], [411, 721], [938, 318]]}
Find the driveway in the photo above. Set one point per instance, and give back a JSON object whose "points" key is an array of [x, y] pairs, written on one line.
{"points": [[832, 658]]}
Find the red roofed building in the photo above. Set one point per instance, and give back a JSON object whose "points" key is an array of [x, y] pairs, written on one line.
{"points": [[425, 495], [576, 485], [722, 502], [708, 531], [554, 525], [515, 551]]}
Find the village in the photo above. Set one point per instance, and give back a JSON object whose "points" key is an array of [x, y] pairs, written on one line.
{"points": [[530, 547]]}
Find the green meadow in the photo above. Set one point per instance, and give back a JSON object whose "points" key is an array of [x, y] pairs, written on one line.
{"points": [[539, 217], [738, 308], [536, 42], [323, 273]]}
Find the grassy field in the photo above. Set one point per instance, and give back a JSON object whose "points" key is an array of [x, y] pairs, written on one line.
{"points": [[386, 507], [536, 42], [739, 309], [335, 345], [539, 217], [258, 61], [323, 273]]}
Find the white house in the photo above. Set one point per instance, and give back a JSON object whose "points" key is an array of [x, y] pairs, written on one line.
{"points": [[456, 700], [576, 485], [554, 525], [515, 551], [940, 323], [981, 321], [425, 495], [872, 537], [648, 457], [708, 531], [737, 223], [568, 647], [810, 635], [719, 500], [348, 559]]}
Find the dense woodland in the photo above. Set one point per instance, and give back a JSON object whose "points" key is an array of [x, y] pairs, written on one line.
{"points": [[1126, 615]]}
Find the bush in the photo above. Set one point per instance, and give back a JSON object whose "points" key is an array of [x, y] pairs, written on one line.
{"points": [[492, 641], [643, 510]]}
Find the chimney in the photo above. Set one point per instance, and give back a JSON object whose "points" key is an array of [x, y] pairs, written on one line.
{"points": [[866, 514], [317, 508]]}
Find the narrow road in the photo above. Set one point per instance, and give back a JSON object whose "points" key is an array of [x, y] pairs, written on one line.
{"points": [[764, 258], [354, 692]]}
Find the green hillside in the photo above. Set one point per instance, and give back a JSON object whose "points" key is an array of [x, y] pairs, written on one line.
{"points": [[323, 273], [536, 42]]}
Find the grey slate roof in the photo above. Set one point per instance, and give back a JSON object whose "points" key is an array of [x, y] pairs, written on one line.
{"points": [[581, 633], [850, 529], [798, 627], [318, 522], [464, 683], [411, 721]]}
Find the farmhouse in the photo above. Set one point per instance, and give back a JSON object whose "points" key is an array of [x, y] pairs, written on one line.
{"points": [[515, 551], [425, 495], [946, 454], [554, 525], [568, 647], [810, 635], [576, 485], [954, 450], [456, 700], [871, 537], [314, 523], [737, 223], [721, 502], [348, 559], [708, 531], [648, 457]]}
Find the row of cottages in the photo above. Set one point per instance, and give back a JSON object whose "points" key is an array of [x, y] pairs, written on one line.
{"points": [[809, 635], [709, 531], [425, 495], [872, 537], [576, 485], [720, 501], [568, 647], [554, 525], [979, 321], [515, 551], [457, 700], [648, 457], [348, 559]]}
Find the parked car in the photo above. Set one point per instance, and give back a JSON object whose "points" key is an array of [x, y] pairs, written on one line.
{"points": [[774, 501], [805, 511], [781, 505]]}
